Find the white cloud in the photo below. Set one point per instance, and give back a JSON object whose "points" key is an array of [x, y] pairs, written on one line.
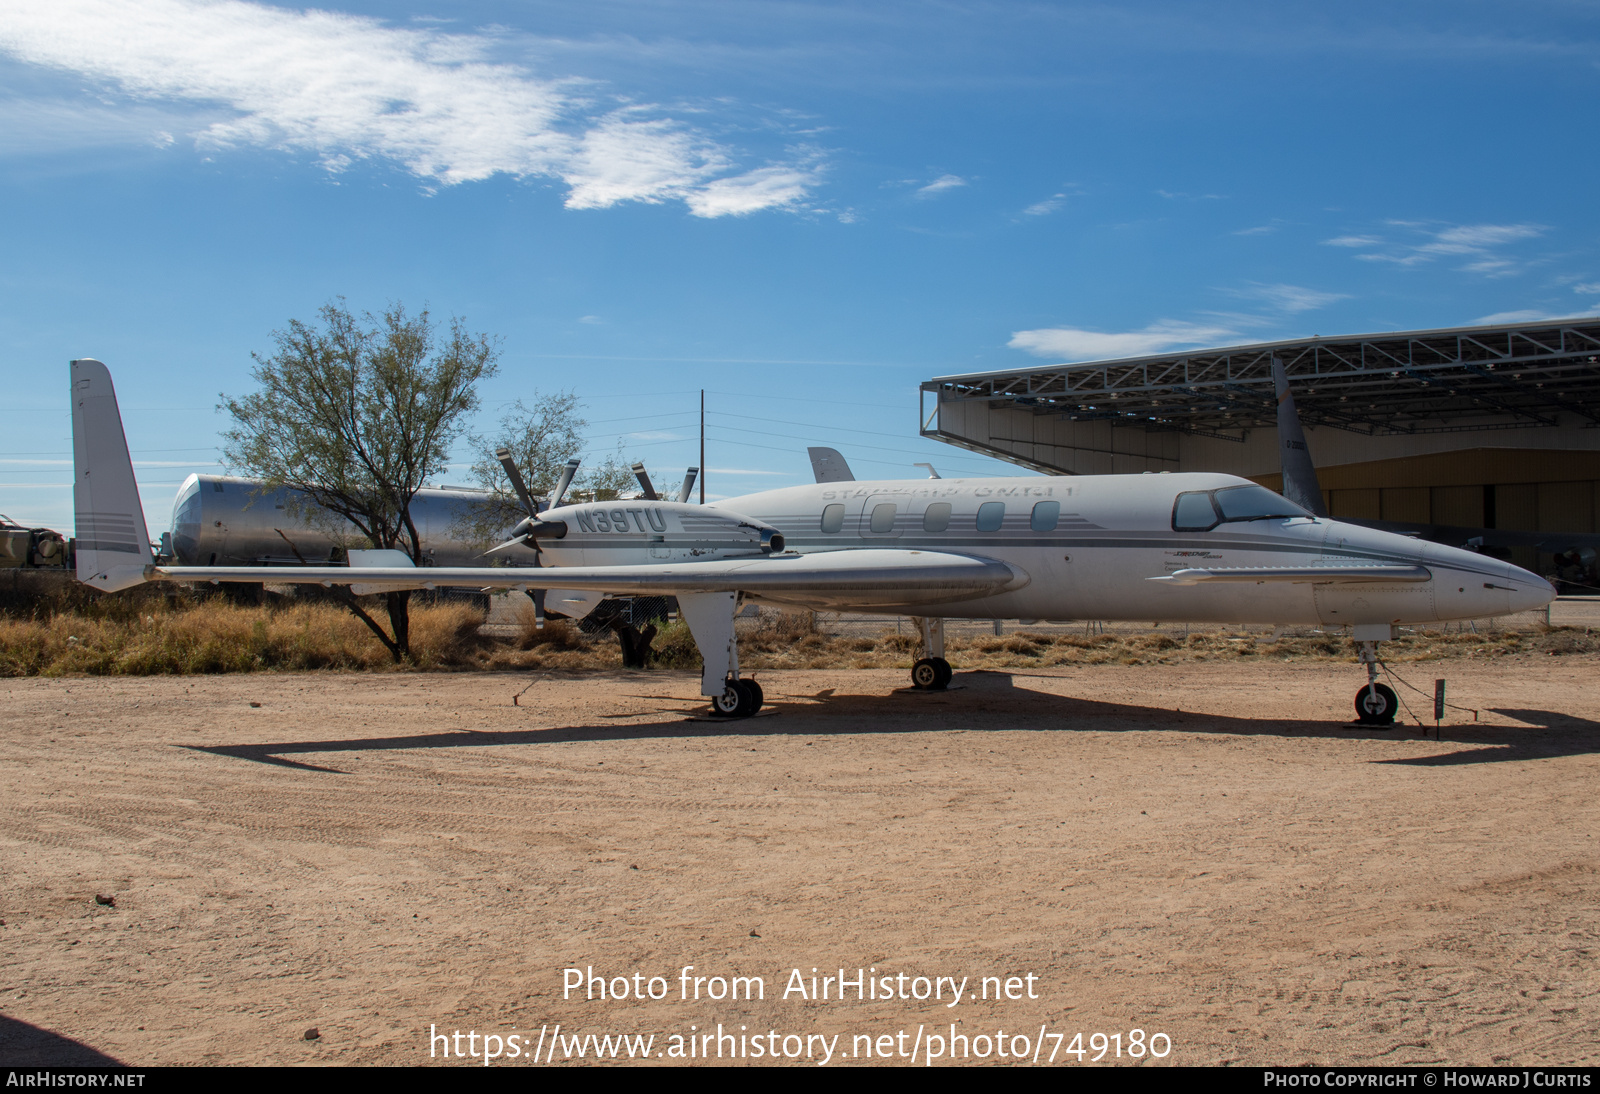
{"points": [[1045, 207], [1591, 287], [1526, 315], [1475, 241], [1073, 344], [346, 88], [1288, 298], [940, 185], [766, 188], [1475, 238]]}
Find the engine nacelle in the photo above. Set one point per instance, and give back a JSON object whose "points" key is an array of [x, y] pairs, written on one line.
{"points": [[630, 533]]}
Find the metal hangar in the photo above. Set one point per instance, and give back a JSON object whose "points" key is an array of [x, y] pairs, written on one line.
{"points": [[1489, 426]]}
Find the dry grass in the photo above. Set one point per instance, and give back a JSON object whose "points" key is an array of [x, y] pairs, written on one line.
{"points": [[165, 637], [153, 635]]}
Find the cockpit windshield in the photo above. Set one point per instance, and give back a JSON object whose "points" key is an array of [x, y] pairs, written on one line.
{"points": [[1201, 510], [1255, 503]]}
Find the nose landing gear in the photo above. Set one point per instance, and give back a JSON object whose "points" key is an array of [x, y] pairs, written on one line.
{"points": [[1376, 703]]}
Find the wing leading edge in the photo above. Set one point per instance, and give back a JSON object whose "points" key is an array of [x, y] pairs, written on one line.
{"points": [[864, 577], [1298, 575]]}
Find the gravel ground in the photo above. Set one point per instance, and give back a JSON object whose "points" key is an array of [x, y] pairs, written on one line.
{"points": [[1203, 851]]}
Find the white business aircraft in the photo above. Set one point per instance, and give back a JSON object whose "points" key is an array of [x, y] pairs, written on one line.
{"points": [[1169, 547]]}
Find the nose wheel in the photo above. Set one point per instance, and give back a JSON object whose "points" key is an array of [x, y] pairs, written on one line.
{"points": [[1376, 705], [741, 699], [931, 674]]}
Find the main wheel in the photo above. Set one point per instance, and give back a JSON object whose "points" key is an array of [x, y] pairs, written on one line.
{"points": [[756, 696], [736, 701], [931, 674], [1376, 704]]}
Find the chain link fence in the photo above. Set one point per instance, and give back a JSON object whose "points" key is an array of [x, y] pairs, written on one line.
{"points": [[507, 615]]}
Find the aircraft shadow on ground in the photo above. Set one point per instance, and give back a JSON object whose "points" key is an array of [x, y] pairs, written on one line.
{"points": [[24, 1045], [1547, 734]]}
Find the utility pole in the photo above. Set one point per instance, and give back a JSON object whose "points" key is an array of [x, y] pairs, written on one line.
{"points": [[702, 446]]}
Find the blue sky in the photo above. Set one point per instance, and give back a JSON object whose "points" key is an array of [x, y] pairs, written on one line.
{"points": [[803, 208]]}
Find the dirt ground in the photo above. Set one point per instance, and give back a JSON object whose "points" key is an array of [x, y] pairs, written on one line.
{"points": [[1203, 851]]}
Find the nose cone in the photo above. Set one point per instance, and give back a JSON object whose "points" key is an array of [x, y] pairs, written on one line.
{"points": [[1529, 592]]}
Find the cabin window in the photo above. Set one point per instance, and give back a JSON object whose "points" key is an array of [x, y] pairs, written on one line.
{"points": [[990, 516], [832, 518], [936, 518], [883, 517], [1193, 512], [1045, 516]]}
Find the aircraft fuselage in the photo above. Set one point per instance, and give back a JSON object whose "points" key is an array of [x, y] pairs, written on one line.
{"points": [[1088, 546]]}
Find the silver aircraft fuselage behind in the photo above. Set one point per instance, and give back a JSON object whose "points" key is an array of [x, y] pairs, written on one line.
{"points": [[220, 520]]}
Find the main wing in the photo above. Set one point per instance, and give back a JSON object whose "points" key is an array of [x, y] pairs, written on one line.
{"points": [[847, 579]]}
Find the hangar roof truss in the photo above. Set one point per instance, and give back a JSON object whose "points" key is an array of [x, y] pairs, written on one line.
{"points": [[1411, 382]]}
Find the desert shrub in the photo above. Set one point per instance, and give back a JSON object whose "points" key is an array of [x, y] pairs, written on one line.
{"points": [[674, 647], [556, 634]]}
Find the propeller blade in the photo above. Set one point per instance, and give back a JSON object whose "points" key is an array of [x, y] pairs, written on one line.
{"points": [[688, 483], [565, 481], [644, 482], [504, 456]]}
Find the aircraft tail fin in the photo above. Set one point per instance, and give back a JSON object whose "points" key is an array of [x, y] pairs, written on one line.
{"points": [[828, 466], [1299, 473], [113, 547]]}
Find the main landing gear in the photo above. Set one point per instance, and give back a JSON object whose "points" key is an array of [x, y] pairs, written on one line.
{"points": [[1376, 703], [932, 672], [740, 699]]}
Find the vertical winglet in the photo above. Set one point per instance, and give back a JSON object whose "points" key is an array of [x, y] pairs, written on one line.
{"points": [[113, 543], [828, 466], [1299, 473]]}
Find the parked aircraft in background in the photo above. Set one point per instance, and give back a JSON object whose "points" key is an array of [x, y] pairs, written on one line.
{"points": [[1170, 547]]}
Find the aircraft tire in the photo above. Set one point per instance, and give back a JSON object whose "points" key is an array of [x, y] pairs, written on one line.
{"points": [[737, 700], [931, 674], [758, 698], [1379, 709], [946, 673]]}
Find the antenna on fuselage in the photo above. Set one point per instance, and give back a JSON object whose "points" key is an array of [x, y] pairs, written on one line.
{"points": [[932, 474]]}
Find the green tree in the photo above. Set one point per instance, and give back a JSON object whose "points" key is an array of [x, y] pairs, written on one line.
{"points": [[541, 439], [358, 415]]}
